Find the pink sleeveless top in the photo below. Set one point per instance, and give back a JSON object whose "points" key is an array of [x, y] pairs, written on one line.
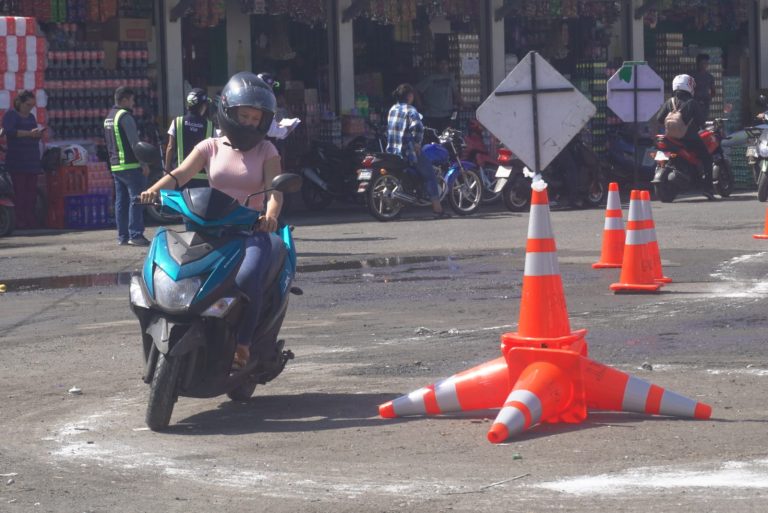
{"points": [[237, 173]]}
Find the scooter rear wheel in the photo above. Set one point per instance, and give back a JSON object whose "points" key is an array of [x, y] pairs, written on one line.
{"points": [[163, 392], [7, 221], [517, 194]]}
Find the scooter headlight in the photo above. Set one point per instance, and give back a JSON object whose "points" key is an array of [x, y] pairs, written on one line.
{"points": [[137, 295], [175, 294], [762, 148]]}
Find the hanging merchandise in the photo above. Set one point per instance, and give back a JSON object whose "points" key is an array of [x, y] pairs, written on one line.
{"points": [[310, 12], [209, 13]]}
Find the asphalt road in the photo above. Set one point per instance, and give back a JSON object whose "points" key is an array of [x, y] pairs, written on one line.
{"points": [[389, 308]]}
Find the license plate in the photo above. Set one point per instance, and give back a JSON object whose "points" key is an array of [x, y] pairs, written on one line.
{"points": [[752, 151], [660, 155], [365, 174], [503, 172]]}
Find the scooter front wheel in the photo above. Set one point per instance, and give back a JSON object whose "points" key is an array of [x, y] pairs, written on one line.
{"points": [[665, 191], [163, 392], [7, 221], [762, 187]]}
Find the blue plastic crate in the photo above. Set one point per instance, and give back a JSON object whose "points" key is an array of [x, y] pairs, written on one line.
{"points": [[87, 211]]}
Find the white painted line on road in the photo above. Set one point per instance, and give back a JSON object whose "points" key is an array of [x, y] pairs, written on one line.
{"points": [[107, 325], [727, 476]]}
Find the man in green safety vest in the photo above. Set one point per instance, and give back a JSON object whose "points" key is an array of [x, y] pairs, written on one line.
{"points": [[120, 136], [187, 131]]}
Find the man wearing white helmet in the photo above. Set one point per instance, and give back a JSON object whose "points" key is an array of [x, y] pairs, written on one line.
{"points": [[683, 87]]}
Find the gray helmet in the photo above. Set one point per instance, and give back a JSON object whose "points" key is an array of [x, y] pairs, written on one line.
{"points": [[245, 89]]}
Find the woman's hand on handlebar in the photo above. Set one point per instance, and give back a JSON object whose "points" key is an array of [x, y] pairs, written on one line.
{"points": [[267, 223], [148, 197]]}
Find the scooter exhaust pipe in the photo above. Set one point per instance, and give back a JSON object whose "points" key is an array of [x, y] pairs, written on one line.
{"points": [[311, 175]]}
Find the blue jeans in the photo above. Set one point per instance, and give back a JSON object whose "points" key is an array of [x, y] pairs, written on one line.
{"points": [[250, 279], [427, 173], [129, 217]]}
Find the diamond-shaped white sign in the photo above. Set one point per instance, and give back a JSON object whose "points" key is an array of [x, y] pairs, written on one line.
{"points": [[635, 82], [535, 111]]}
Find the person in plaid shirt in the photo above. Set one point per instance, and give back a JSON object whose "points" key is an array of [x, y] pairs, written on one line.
{"points": [[405, 132]]}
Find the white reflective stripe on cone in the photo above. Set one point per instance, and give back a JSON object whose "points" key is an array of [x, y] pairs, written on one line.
{"points": [[530, 400], [539, 226], [677, 405], [636, 211], [614, 203], [512, 418], [614, 223], [541, 264], [411, 404], [445, 394], [638, 237], [635, 395]]}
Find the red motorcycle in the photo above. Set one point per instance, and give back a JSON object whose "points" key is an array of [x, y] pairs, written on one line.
{"points": [[679, 169], [476, 151]]}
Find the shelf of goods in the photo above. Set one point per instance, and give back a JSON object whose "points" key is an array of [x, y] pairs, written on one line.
{"points": [[591, 79], [464, 58]]}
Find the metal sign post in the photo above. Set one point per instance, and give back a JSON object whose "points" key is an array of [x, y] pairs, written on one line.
{"points": [[645, 100], [536, 131]]}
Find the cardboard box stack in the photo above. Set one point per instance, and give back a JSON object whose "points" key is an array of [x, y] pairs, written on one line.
{"points": [[464, 57]]}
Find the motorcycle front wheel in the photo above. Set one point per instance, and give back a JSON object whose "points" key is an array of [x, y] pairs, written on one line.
{"points": [[762, 187], [163, 392], [381, 203], [313, 196], [466, 193], [724, 180], [7, 221], [488, 175]]}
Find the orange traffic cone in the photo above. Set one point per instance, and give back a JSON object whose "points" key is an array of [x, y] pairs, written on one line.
{"points": [[613, 232], [543, 313], [763, 235], [653, 244], [479, 388], [637, 266], [549, 389], [610, 389]]}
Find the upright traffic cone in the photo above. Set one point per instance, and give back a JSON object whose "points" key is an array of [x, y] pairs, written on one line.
{"points": [[653, 244], [613, 232], [637, 266], [543, 318], [763, 235], [549, 389], [610, 389], [479, 388]]}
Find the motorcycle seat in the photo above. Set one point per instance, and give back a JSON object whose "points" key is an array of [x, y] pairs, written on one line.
{"points": [[391, 161]]}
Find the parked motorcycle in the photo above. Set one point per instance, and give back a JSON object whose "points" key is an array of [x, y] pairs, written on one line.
{"points": [[475, 150], [389, 183], [329, 171], [757, 158], [189, 307], [514, 179], [621, 158], [679, 169]]}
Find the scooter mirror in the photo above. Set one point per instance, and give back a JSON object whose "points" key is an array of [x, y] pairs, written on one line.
{"points": [[286, 182], [147, 154]]}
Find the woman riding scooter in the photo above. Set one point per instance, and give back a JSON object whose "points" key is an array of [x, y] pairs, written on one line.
{"points": [[692, 113], [239, 163]]}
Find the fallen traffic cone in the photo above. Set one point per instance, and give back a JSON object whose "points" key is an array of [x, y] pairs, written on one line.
{"points": [[653, 244], [613, 232], [543, 318], [479, 388], [610, 389], [549, 389], [763, 235], [637, 267]]}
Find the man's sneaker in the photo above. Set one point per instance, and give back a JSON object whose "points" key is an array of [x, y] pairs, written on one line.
{"points": [[139, 241], [122, 243]]}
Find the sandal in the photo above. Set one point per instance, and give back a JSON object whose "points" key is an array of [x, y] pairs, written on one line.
{"points": [[240, 360], [441, 215]]}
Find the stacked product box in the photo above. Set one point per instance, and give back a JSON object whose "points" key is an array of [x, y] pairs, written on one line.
{"points": [[464, 54]]}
